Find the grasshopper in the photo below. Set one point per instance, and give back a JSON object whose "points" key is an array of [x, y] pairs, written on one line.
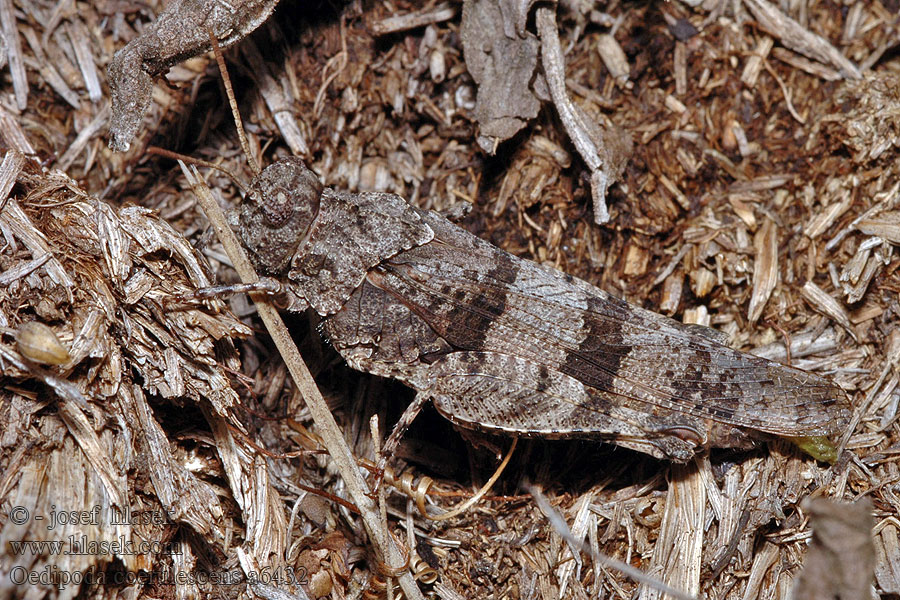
{"points": [[502, 344]]}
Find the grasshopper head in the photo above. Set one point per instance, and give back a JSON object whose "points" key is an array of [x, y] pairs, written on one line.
{"points": [[275, 215]]}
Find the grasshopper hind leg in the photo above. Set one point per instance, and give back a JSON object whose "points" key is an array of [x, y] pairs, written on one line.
{"points": [[500, 393]]}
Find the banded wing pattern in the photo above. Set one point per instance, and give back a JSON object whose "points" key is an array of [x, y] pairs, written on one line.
{"points": [[515, 346]]}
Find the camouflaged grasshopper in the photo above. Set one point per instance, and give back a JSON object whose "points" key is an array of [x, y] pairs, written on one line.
{"points": [[495, 342], [506, 345]]}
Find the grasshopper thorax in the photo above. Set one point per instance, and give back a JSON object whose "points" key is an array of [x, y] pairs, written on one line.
{"points": [[276, 213]]}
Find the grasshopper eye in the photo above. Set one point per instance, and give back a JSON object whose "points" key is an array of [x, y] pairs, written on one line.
{"points": [[281, 204]]}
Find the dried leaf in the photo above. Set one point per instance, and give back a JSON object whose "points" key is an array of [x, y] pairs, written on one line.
{"points": [[503, 66], [841, 559]]}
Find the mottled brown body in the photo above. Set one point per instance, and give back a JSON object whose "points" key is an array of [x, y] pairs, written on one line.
{"points": [[506, 345]]}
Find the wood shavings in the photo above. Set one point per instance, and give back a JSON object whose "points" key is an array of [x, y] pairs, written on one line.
{"points": [[681, 532], [534, 177], [813, 68], [886, 225], [671, 294], [803, 344], [614, 58], [702, 281], [697, 316], [12, 135], [830, 211], [13, 161], [729, 143], [859, 271], [887, 552], [798, 38], [762, 562], [675, 105], [71, 234], [871, 125], [84, 136], [64, 478], [47, 69], [755, 63], [276, 101], [35, 241], [81, 45], [186, 497]]}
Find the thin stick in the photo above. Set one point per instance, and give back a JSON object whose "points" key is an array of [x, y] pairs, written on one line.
{"points": [[238, 123], [331, 434]]}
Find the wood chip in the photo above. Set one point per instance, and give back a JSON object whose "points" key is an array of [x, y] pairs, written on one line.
{"points": [[674, 104], [802, 344], [12, 164], [14, 53], [671, 294], [614, 58], [98, 123], [804, 64], [47, 70], [679, 196], [754, 64], [12, 134], [765, 269], [278, 104], [699, 315], [743, 210], [436, 14], [762, 562], [680, 69], [702, 281], [826, 217], [680, 543], [82, 46], [887, 549], [886, 225], [827, 305]]}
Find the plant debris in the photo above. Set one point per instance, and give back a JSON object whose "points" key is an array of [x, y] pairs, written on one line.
{"points": [[760, 197]]}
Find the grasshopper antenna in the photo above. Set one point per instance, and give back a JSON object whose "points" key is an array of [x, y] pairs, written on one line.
{"points": [[229, 91], [239, 124], [197, 161]]}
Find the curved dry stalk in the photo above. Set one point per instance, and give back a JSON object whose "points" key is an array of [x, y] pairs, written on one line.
{"points": [[480, 493]]}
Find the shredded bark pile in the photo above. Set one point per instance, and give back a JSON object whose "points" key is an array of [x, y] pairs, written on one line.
{"points": [[742, 158]]}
